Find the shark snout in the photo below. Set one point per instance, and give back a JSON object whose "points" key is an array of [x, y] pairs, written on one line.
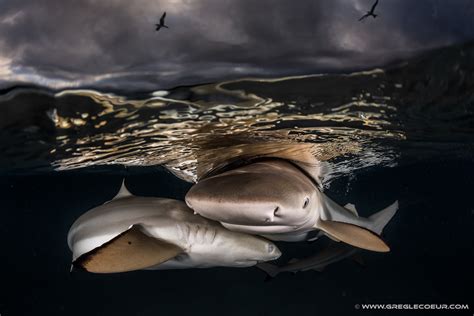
{"points": [[250, 199], [213, 200], [272, 213], [243, 213], [251, 250], [273, 251], [269, 252]]}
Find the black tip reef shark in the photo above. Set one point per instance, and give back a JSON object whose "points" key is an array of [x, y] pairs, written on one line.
{"points": [[133, 233], [162, 22], [276, 199], [371, 12]]}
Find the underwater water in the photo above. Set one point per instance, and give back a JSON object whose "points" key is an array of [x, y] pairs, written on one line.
{"points": [[404, 132]]}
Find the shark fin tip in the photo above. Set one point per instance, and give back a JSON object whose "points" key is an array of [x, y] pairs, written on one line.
{"points": [[123, 192]]}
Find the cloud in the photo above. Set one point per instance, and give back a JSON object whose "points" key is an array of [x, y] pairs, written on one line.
{"points": [[77, 41]]}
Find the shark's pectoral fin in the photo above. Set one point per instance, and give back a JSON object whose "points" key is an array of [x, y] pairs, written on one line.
{"points": [[353, 235], [131, 250], [332, 237]]}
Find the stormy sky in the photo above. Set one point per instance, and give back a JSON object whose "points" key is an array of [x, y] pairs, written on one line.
{"points": [[67, 43]]}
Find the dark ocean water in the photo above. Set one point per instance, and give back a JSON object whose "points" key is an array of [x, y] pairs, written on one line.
{"points": [[404, 132]]}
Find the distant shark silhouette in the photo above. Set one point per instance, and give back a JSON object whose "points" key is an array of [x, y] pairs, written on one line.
{"points": [[371, 12], [162, 22]]}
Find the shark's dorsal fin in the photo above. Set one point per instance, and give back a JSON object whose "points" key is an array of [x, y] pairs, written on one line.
{"points": [[351, 207], [353, 235], [131, 250], [123, 192], [380, 219]]}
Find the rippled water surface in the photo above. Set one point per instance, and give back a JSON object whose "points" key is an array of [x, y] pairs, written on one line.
{"points": [[369, 118]]}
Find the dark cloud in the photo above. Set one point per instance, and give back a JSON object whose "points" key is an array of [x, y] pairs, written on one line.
{"points": [[210, 39]]}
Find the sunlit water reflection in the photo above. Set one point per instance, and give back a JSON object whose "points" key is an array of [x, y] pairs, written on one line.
{"points": [[346, 121]]}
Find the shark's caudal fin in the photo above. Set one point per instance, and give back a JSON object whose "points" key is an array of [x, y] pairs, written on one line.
{"points": [[131, 250], [271, 269]]}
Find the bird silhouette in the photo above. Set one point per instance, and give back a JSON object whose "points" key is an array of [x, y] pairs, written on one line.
{"points": [[162, 22], [371, 12]]}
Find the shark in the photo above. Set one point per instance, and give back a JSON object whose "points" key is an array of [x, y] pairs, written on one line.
{"points": [[279, 200], [334, 251], [131, 233]]}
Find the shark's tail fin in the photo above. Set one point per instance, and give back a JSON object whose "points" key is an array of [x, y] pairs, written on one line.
{"points": [[271, 269], [380, 219]]}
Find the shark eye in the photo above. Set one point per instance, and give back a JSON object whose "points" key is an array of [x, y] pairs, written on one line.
{"points": [[306, 202]]}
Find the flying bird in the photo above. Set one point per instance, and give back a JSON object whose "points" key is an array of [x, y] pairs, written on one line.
{"points": [[162, 22], [371, 12]]}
